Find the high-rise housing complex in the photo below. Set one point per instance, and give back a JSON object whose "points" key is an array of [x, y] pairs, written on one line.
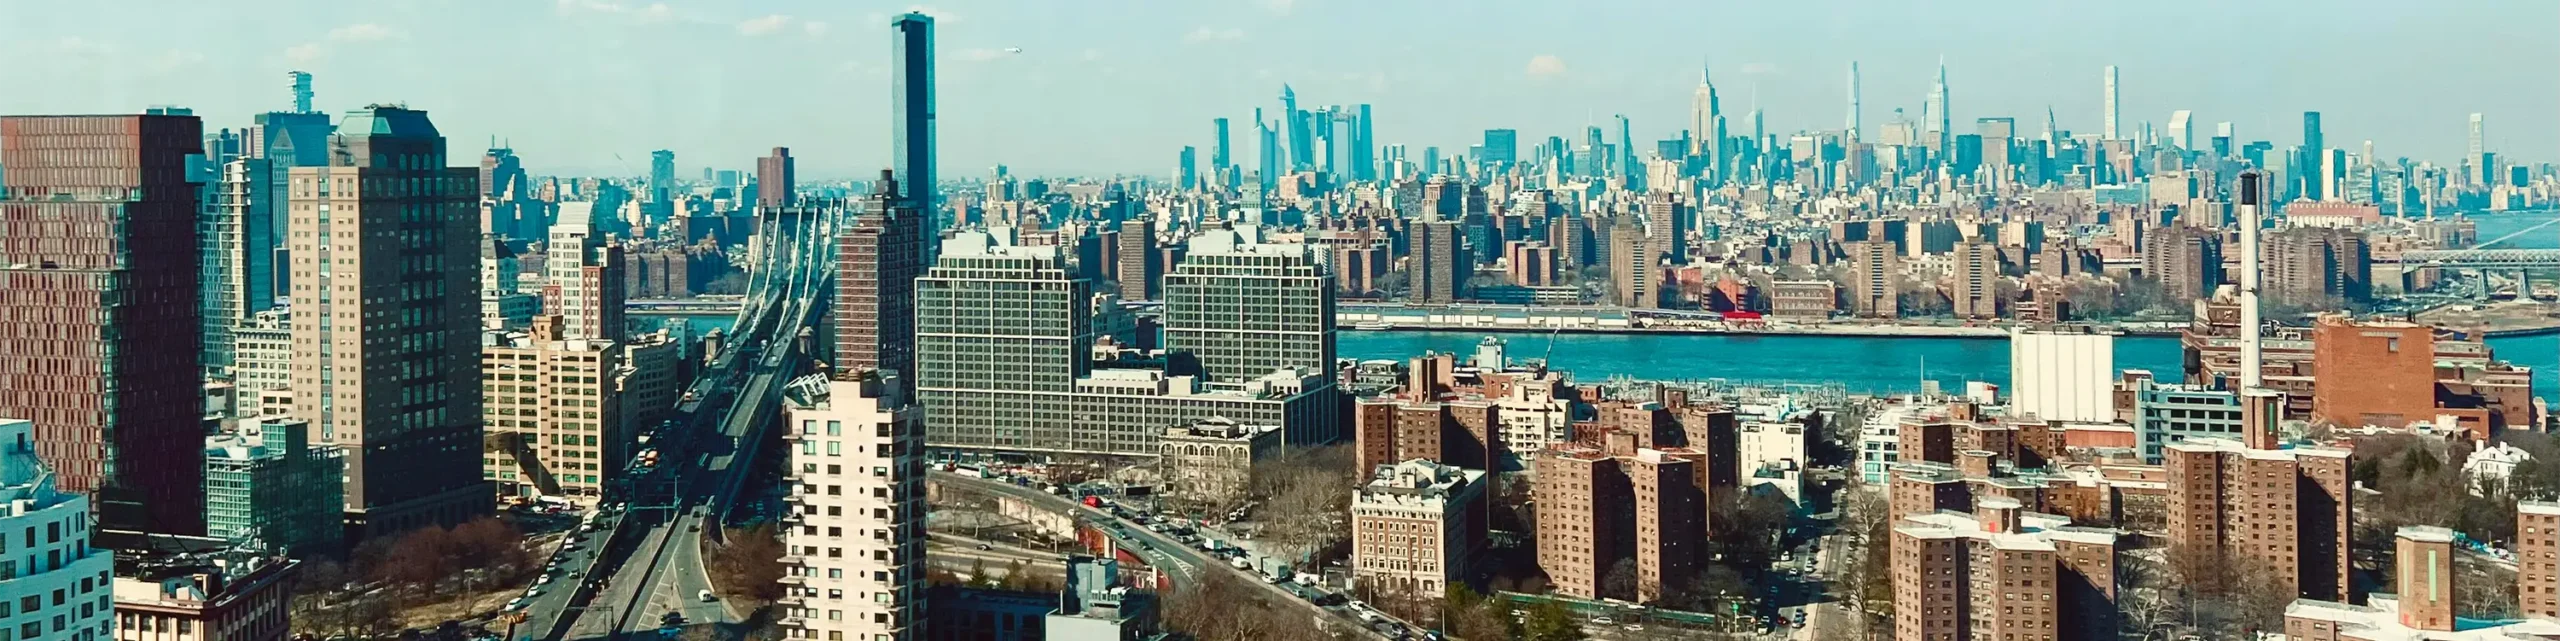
{"points": [[269, 484], [1140, 270], [2309, 265], [877, 262], [776, 178], [1666, 222], [386, 320], [911, 118], [2538, 558], [2187, 261], [2002, 571], [2283, 512], [59, 561], [554, 412], [853, 535], [99, 346], [1620, 502], [1634, 269], [1976, 279], [586, 283], [1436, 264], [1875, 279], [1416, 525], [1247, 308]]}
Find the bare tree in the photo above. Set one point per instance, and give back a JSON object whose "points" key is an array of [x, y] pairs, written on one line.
{"points": [[1307, 500]]}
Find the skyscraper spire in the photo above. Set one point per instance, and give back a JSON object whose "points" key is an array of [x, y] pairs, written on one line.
{"points": [[1945, 123], [1853, 100]]}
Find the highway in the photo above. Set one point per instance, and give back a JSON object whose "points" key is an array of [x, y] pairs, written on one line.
{"points": [[1185, 565], [656, 566]]}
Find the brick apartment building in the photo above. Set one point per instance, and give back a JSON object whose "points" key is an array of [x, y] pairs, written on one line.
{"points": [[2226, 498], [2001, 572], [1416, 525], [1619, 503]]}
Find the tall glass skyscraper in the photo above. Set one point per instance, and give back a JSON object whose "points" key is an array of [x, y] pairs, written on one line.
{"points": [[911, 112]]}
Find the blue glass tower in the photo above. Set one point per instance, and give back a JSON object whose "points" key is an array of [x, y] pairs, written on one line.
{"points": [[911, 95]]}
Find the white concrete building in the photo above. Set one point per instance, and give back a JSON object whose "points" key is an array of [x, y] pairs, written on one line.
{"points": [[262, 364], [2062, 376], [63, 591], [2493, 464], [1533, 415], [854, 544]]}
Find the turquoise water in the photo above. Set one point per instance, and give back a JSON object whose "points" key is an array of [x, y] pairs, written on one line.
{"points": [[1861, 364]]}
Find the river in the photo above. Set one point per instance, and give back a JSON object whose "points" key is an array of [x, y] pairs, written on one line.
{"points": [[1862, 364]]}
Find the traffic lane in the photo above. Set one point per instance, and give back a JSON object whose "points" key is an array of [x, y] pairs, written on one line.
{"points": [[1161, 543]]}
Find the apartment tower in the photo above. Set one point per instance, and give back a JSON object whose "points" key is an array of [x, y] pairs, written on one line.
{"points": [[99, 342], [386, 320]]}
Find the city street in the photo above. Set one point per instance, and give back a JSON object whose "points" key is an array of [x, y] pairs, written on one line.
{"points": [[1184, 564]]}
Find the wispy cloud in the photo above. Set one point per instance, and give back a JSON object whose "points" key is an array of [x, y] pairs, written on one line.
{"points": [[649, 13], [75, 45], [1282, 7], [1545, 65], [765, 26], [1210, 34], [979, 54], [365, 32], [172, 60], [304, 53], [1090, 55], [1759, 68], [814, 28]]}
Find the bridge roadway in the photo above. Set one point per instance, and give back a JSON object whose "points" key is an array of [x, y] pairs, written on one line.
{"points": [[1186, 566], [705, 463]]}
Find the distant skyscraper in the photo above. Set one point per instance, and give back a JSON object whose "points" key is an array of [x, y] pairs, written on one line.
{"points": [[1854, 123], [1628, 166], [1430, 161], [2181, 132], [662, 175], [98, 320], [1706, 122], [586, 283], [1938, 105], [877, 262], [400, 391], [1501, 148], [1266, 144], [1141, 267], [1364, 147], [1186, 172], [301, 91], [2476, 137], [776, 177], [1219, 159], [2313, 155], [912, 109], [1301, 141], [1342, 136], [2111, 103]]}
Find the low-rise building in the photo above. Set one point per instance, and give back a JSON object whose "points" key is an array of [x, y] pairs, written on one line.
{"points": [[1416, 525], [62, 592], [1210, 463], [1096, 607], [269, 484], [2165, 413], [230, 595], [1803, 300]]}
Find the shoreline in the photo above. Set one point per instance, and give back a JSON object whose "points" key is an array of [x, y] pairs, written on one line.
{"points": [[1842, 330]]}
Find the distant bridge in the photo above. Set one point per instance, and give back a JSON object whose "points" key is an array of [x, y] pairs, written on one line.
{"points": [[2480, 258], [708, 306]]}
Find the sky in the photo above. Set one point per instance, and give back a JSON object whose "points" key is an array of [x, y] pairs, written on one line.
{"points": [[1101, 87]]}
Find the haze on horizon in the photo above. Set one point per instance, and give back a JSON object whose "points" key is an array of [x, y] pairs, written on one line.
{"points": [[1119, 87]]}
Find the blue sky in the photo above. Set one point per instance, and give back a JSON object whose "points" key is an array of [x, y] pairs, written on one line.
{"points": [[1118, 86]]}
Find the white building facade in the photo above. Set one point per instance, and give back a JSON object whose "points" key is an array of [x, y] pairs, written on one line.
{"points": [[2062, 376], [53, 586], [854, 539]]}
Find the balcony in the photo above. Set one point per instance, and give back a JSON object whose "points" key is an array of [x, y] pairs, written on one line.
{"points": [[793, 579]]}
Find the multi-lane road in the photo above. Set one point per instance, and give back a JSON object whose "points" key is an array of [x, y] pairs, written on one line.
{"points": [[704, 462], [1184, 565]]}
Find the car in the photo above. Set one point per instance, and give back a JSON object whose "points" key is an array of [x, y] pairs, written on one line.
{"points": [[984, 546], [1632, 627], [706, 595], [1604, 621], [545, 580], [671, 618], [517, 604]]}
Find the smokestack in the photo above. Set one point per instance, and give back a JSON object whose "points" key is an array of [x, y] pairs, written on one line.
{"points": [[2252, 363]]}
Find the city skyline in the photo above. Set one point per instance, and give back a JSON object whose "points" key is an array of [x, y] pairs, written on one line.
{"points": [[719, 85]]}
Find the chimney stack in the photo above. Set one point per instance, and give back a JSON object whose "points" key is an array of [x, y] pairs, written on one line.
{"points": [[2252, 363]]}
